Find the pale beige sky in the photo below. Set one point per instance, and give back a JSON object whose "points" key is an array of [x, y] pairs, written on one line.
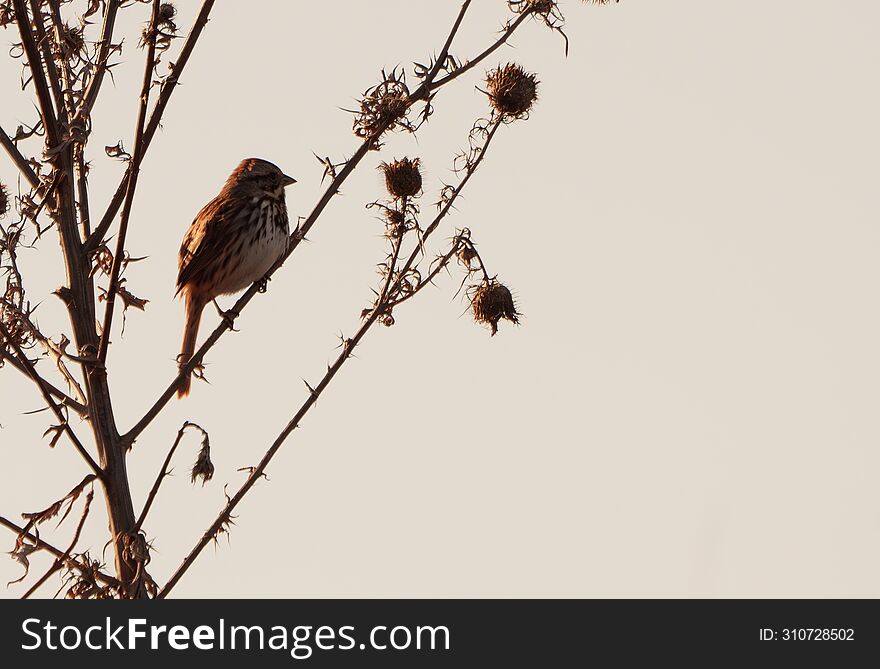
{"points": [[689, 220]]}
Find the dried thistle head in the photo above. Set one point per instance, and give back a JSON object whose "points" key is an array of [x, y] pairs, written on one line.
{"points": [[402, 177], [541, 6], [71, 43], [512, 91], [383, 107], [4, 199], [491, 301]]}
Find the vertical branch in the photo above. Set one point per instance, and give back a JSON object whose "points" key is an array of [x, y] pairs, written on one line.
{"points": [[38, 76], [168, 86], [94, 86], [132, 172], [49, 60]]}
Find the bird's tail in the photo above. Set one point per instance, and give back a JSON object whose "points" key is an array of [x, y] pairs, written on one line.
{"points": [[194, 307]]}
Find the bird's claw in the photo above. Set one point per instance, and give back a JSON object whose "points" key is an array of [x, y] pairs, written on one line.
{"points": [[263, 284]]}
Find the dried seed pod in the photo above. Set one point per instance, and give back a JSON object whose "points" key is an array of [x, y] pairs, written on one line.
{"points": [[4, 199], [490, 302], [542, 6], [402, 177], [383, 107], [512, 91], [466, 254], [167, 12], [203, 468]]}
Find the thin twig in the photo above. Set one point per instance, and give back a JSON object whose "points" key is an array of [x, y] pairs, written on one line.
{"points": [[133, 172], [51, 70], [47, 396], [20, 161], [91, 94], [508, 31], [61, 560], [162, 474], [63, 397], [43, 545]]}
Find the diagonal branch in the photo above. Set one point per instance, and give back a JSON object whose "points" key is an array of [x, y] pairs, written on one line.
{"points": [[94, 87], [508, 32], [62, 559], [43, 545], [164, 472], [20, 161], [47, 396], [54, 391]]}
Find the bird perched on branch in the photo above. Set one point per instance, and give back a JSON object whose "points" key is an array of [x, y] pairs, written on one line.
{"points": [[233, 242]]}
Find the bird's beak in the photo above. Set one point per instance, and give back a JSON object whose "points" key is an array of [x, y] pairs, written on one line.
{"points": [[289, 180]]}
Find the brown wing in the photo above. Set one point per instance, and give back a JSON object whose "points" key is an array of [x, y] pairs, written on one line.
{"points": [[207, 235]]}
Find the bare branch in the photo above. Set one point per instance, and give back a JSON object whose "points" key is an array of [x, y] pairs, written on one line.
{"points": [[61, 560], [47, 395], [94, 87], [43, 545], [60, 395], [508, 32], [164, 472], [39, 78], [19, 160]]}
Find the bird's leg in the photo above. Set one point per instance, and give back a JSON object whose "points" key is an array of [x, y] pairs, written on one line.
{"points": [[228, 316], [263, 284]]}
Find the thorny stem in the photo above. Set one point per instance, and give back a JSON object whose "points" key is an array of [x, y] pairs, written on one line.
{"points": [[38, 76], [133, 172], [161, 477], [61, 560], [94, 87], [43, 43], [43, 545], [20, 161], [414, 256], [47, 396], [348, 345], [56, 392], [508, 31], [422, 93]]}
